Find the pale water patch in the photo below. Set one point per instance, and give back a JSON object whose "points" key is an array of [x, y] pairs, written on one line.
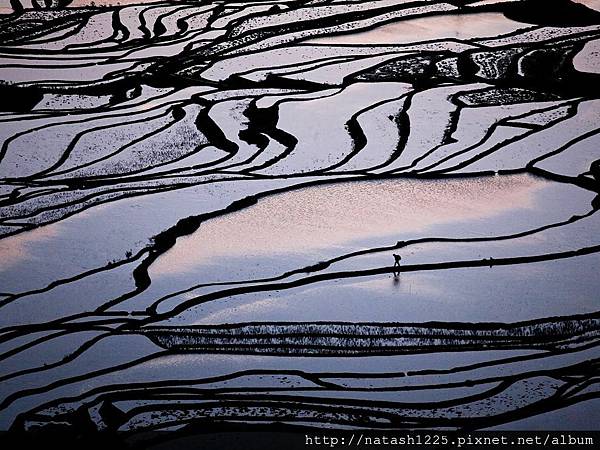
{"points": [[15, 249], [333, 216], [456, 26], [588, 59], [82, 3], [592, 4]]}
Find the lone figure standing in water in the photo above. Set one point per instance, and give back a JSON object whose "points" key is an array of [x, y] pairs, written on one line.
{"points": [[397, 259]]}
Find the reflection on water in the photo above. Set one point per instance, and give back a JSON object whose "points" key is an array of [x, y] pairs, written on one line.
{"points": [[335, 215], [592, 4], [15, 249], [458, 26], [498, 294], [80, 3]]}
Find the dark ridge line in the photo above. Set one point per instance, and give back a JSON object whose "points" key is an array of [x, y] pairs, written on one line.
{"points": [[308, 400], [159, 28], [125, 391], [582, 386], [207, 126], [184, 28], [572, 142], [294, 406], [369, 272], [118, 81], [125, 191], [436, 324], [324, 61], [268, 118], [359, 139], [510, 360], [132, 388], [62, 323], [132, 192], [87, 180], [447, 138], [330, 61], [65, 359], [16, 196], [400, 47], [156, 43], [11, 398], [252, 135], [194, 426], [328, 20], [109, 112], [506, 121], [13, 116], [306, 351], [16, 37], [52, 172], [325, 264], [192, 394], [15, 350], [76, 25], [7, 142], [119, 29], [242, 41], [493, 149], [289, 411], [174, 112], [107, 267], [230, 394], [239, 50], [147, 34], [555, 396], [580, 181], [62, 66], [140, 175], [130, 46], [482, 141], [402, 119], [216, 11], [519, 32]]}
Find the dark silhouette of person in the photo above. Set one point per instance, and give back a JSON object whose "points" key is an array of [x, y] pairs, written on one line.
{"points": [[397, 259]]}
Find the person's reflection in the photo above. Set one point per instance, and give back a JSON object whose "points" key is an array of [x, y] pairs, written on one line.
{"points": [[396, 279], [396, 272]]}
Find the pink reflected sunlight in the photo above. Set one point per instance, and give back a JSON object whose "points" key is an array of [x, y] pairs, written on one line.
{"points": [[458, 26], [321, 217]]}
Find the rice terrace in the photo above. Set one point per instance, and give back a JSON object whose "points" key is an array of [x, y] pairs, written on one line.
{"points": [[315, 214]]}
